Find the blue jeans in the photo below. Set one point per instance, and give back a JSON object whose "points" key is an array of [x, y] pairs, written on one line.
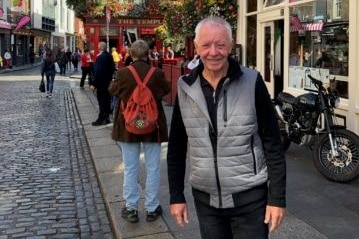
{"points": [[131, 160], [50, 78]]}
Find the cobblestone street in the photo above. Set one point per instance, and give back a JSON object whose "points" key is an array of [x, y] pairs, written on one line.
{"points": [[48, 186], [61, 177]]}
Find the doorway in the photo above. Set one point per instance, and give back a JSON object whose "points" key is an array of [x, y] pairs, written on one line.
{"points": [[113, 42], [272, 53]]}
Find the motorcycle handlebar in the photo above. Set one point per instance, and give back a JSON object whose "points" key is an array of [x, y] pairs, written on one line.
{"points": [[316, 82]]}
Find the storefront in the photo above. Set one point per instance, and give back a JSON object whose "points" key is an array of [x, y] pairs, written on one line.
{"points": [[5, 28], [122, 32], [20, 46], [40, 37], [288, 39]]}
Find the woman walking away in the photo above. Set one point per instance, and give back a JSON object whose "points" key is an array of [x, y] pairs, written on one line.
{"points": [[50, 72], [131, 144]]}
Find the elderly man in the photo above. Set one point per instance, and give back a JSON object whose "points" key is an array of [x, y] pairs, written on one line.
{"points": [[104, 69], [224, 122]]}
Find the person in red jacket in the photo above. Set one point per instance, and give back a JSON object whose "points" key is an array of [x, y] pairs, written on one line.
{"points": [[86, 68]]}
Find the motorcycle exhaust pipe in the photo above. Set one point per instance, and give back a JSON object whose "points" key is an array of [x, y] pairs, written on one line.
{"points": [[279, 113]]}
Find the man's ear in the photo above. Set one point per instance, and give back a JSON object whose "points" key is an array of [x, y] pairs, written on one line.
{"points": [[231, 46], [195, 44]]}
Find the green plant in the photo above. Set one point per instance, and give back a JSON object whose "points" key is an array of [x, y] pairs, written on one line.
{"points": [[181, 18], [126, 8]]}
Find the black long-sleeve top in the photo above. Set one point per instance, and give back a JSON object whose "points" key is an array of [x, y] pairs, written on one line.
{"points": [[268, 131]]}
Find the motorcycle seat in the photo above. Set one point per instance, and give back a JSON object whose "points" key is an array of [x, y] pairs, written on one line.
{"points": [[286, 97]]}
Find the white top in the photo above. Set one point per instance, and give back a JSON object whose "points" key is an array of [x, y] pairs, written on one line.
{"points": [[7, 55], [193, 64]]}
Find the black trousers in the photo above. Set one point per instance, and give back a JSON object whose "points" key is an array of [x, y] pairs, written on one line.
{"points": [[245, 222], [104, 104], [86, 71]]}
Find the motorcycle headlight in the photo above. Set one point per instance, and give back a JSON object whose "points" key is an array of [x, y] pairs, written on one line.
{"points": [[335, 101]]}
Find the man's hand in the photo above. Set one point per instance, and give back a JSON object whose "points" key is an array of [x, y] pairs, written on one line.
{"points": [[93, 88], [180, 213], [274, 216]]}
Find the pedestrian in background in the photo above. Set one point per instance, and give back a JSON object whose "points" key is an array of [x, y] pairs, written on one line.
{"points": [[194, 62], [122, 87], [86, 68], [128, 58], [8, 58], [75, 58], [68, 58], [153, 56], [223, 120], [92, 64], [170, 54], [104, 69], [50, 72], [31, 55], [116, 57], [61, 59], [43, 50]]}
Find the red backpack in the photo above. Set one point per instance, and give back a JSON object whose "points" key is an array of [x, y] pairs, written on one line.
{"points": [[140, 112]]}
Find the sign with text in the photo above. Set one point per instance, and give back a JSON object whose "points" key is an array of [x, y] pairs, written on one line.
{"points": [[298, 76]]}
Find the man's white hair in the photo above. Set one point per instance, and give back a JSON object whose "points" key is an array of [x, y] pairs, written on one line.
{"points": [[139, 50], [214, 21], [102, 46]]}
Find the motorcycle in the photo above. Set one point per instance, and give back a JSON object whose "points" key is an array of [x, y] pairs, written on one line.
{"points": [[335, 149]]}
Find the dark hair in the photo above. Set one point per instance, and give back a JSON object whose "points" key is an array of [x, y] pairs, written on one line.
{"points": [[50, 55]]}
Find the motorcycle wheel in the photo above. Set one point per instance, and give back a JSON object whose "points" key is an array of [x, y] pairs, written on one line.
{"points": [[345, 167], [284, 136]]}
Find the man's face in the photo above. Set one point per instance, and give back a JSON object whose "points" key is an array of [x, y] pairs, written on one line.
{"points": [[214, 47]]}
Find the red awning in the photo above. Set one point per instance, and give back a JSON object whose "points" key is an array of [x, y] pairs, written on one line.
{"points": [[5, 25], [310, 27], [147, 31]]}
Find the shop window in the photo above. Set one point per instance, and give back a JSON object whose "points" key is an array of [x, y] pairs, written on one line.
{"points": [[252, 6], [293, 1], [19, 48], [251, 48], [112, 31], [337, 9], [319, 44], [63, 18], [131, 35], [269, 3]]}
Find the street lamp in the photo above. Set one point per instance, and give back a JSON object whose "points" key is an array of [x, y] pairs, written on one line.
{"points": [[108, 19]]}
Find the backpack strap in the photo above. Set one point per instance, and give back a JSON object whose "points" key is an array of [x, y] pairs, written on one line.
{"points": [[137, 77]]}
